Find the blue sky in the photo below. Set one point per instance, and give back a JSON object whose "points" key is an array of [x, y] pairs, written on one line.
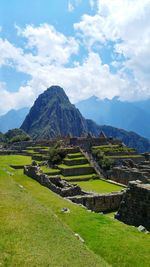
{"points": [[89, 47]]}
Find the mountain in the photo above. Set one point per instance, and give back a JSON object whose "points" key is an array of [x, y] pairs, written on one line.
{"points": [[133, 116], [53, 115], [12, 119]]}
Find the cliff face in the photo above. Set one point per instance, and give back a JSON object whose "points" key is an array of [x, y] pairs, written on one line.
{"points": [[52, 115]]}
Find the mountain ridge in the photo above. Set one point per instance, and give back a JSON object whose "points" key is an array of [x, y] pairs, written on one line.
{"points": [[131, 116], [53, 115], [12, 119]]}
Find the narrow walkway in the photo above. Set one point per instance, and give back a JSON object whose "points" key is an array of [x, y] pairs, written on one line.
{"points": [[97, 168], [93, 163]]}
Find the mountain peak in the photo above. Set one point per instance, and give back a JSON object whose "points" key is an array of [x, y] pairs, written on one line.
{"points": [[52, 114]]}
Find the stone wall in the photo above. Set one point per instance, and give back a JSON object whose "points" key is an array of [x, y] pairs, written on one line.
{"points": [[135, 205], [76, 171], [75, 162], [55, 184], [124, 175], [99, 202]]}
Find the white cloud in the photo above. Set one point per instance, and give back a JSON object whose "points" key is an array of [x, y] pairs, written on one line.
{"points": [[47, 52], [51, 46], [126, 24]]}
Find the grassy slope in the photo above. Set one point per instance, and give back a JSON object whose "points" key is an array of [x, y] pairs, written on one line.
{"points": [[98, 186], [31, 233], [119, 244]]}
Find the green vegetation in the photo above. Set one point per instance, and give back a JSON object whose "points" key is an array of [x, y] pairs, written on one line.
{"points": [[45, 169], [74, 166], [56, 154], [80, 177], [114, 148], [75, 155], [124, 156], [16, 160], [98, 186], [16, 135], [31, 234], [74, 159], [34, 231]]}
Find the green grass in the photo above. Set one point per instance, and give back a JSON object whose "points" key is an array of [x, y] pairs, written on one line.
{"points": [[74, 159], [74, 155], [45, 169], [78, 177], [98, 186], [74, 166], [36, 233], [15, 160], [31, 233], [124, 156], [104, 146]]}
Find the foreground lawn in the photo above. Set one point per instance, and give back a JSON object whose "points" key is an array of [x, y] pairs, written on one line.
{"points": [[29, 238], [32, 234], [98, 186]]}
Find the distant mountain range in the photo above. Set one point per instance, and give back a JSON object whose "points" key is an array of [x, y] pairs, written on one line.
{"points": [[12, 119], [131, 116], [53, 115]]}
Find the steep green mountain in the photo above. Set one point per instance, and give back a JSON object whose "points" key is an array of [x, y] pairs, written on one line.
{"points": [[12, 119], [53, 115], [131, 116]]}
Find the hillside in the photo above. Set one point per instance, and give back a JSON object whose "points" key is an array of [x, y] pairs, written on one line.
{"points": [[53, 115]]}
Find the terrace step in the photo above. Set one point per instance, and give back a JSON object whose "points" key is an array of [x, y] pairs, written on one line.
{"points": [[66, 171], [73, 162], [75, 155]]}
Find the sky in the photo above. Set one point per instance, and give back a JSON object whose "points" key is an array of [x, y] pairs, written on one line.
{"points": [[88, 47]]}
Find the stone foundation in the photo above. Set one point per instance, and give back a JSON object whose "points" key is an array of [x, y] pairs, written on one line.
{"points": [[135, 205], [125, 175], [99, 202], [76, 171]]}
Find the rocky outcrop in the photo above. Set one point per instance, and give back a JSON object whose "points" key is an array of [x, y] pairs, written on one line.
{"points": [[135, 205]]}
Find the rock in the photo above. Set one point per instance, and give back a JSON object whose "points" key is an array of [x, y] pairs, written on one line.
{"points": [[141, 228], [65, 210], [79, 237]]}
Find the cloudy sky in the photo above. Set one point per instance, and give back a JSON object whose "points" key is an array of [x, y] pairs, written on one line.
{"points": [[89, 47]]}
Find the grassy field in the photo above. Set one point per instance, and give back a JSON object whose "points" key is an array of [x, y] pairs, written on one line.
{"points": [[36, 233], [98, 186]]}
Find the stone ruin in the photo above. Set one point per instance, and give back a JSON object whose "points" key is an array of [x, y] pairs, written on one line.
{"points": [[135, 205], [131, 171], [95, 202], [56, 184]]}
